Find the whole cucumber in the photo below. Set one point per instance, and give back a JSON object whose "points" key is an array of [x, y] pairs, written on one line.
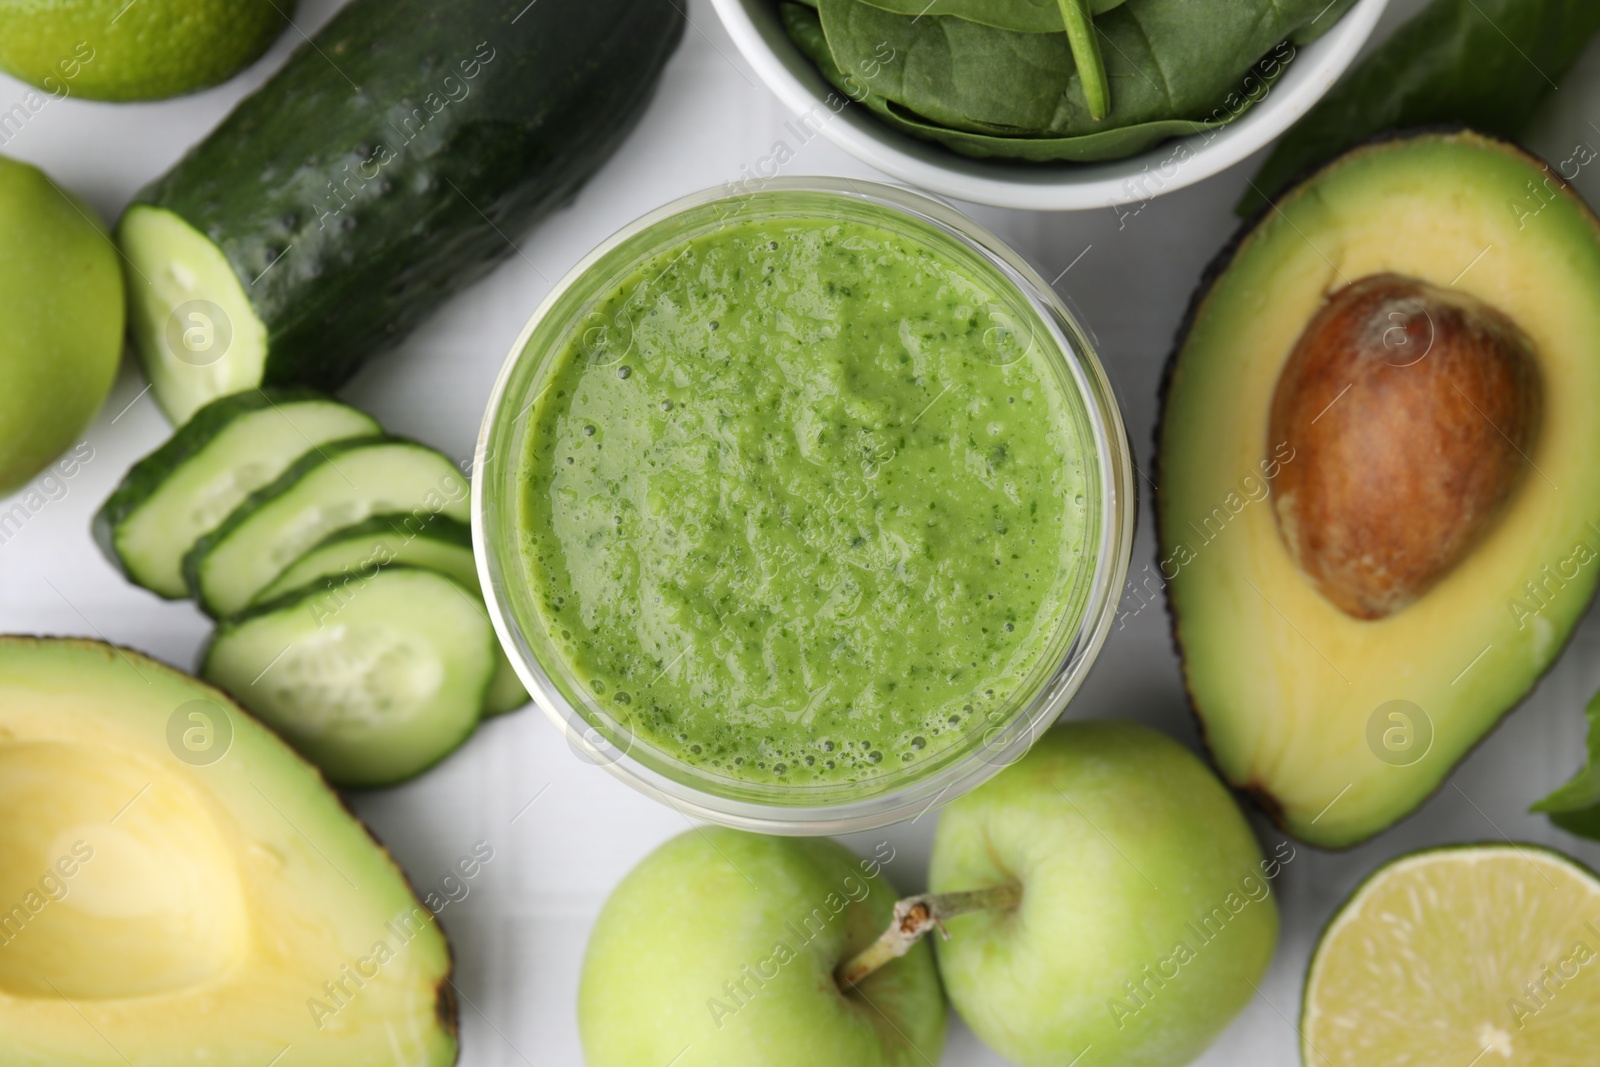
{"points": [[392, 161]]}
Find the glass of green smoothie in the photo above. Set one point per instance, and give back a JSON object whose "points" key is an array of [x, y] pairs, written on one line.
{"points": [[803, 508]]}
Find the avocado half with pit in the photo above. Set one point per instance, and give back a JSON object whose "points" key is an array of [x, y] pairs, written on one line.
{"points": [[1379, 493], [178, 887]]}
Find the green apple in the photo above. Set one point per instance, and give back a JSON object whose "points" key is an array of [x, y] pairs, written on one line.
{"points": [[1146, 912], [61, 332], [720, 948]]}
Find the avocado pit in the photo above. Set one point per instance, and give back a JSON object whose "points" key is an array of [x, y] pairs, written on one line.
{"points": [[1411, 410]]}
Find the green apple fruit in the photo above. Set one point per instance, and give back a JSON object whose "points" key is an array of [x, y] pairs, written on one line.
{"points": [[720, 948], [1146, 915], [61, 332]]}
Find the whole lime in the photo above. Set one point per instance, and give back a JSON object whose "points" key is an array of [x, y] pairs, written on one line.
{"points": [[61, 332], [135, 49]]}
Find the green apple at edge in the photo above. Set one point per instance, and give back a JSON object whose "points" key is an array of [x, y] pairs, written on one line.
{"points": [[1146, 917], [719, 950], [61, 308]]}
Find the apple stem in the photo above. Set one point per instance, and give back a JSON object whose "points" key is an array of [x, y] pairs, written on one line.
{"points": [[915, 916]]}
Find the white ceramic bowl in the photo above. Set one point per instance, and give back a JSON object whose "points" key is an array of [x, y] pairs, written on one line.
{"points": [[756, 29]]}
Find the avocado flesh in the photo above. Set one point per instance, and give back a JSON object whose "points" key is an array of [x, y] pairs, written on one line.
{"points": [[1285, 684], [207, 903]]}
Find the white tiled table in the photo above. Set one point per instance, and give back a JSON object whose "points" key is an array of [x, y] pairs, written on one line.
{"points": [[520, 932]]}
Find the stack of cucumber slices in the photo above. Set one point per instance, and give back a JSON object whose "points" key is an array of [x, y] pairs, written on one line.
{"points": [[338, 562]]}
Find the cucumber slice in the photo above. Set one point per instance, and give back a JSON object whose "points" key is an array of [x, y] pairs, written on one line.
{"points": [[374, 681], [185, 488], [435, 542], [506, 691], [338, 485]]}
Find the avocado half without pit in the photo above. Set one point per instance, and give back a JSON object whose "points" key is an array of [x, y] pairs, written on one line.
{"points": [[177, 885], [1378, 504]]}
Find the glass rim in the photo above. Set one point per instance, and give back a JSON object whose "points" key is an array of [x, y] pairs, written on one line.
{"points": [[1112, 475]]}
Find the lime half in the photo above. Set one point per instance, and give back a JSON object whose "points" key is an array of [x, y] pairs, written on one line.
{"points": [[1474, 956]]}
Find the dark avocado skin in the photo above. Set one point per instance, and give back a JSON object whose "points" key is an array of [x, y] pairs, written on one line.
{"points": [[1213, 274], [371, 178]]}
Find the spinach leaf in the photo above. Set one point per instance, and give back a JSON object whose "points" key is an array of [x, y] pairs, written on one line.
{"points": [[1075, 17], [1575, 807], [1484, 63], [1022, 16], [1166, 59], [805, 29]]}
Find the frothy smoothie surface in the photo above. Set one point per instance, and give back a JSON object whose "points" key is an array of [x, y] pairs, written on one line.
{"points": [[801, 504]]}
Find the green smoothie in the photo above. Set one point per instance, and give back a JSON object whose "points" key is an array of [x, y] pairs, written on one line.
{"points": [[802, 505]]}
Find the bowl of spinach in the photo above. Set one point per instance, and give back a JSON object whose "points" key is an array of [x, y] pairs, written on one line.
{"points": [[1049, 104]]}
